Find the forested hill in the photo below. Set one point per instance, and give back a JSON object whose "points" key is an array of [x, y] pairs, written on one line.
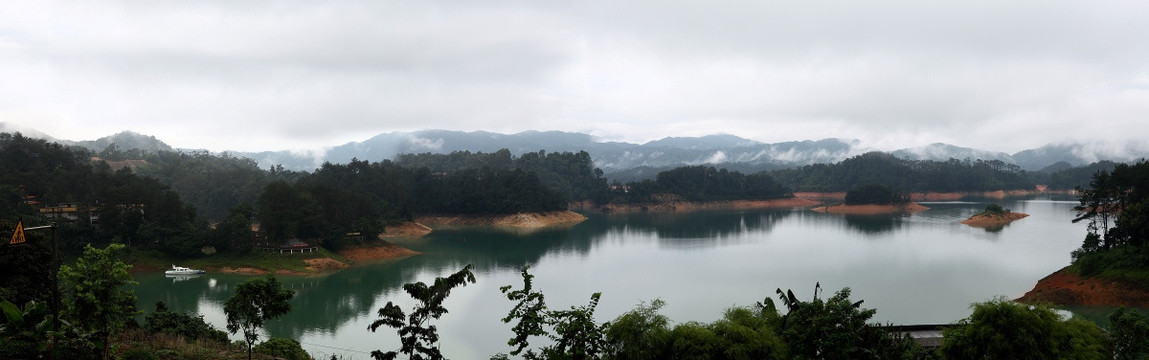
{"points": [[101, 204], [571, 173], [906, 175]]}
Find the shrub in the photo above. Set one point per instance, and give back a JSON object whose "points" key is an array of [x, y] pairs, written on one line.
{"points": [[1002, 329], [282, 348], [179, 324]]}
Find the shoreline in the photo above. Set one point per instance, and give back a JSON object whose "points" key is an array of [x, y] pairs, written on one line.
{"points": [[405, 229], [325, 265], [529, 221], [1065, 288], [870, 209], [939, 196], [688, 206]]}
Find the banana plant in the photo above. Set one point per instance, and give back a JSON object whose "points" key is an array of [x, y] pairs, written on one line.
{"points": [[28, 330]]}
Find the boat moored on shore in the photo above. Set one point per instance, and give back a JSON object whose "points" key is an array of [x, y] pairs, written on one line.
{"points": [[180, 270]]}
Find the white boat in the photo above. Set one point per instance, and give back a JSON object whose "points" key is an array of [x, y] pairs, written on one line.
{"points": [[180, 270]]}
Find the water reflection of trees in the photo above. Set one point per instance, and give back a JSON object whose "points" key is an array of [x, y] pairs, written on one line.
{"points": [[323, 304], [873, 224], [702, 225], [703, 229]]}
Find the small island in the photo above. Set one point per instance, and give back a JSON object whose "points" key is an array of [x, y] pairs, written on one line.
{"points": [[993, 217], [873, 200]]}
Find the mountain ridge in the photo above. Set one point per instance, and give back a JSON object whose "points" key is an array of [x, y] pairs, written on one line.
{"points": [[728, 150]]}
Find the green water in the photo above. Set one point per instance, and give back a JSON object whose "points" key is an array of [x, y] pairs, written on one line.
{"points": [[914, 269]]}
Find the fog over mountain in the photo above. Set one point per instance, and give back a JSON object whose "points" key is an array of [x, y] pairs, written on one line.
{"points": [[632, 161]]}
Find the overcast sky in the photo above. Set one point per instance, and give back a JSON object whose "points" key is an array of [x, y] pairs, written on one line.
{"points": [[273, 75]]}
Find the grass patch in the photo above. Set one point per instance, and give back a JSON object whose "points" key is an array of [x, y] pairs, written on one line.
{"points": [[1117, 264]]}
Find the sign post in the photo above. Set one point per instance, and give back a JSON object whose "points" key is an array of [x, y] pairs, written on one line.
{"points": [[53, 272], [18, 235]]}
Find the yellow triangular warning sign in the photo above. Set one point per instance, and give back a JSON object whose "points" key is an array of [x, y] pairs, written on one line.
{"points": [[18, 236]]}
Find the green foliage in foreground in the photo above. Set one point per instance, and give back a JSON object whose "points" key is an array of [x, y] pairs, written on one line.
{"points": [[1129, 332], [574, 333], [280, 348], [179, 324], [25, 331], [255, 301], [94, 294], [419, 340], [1002, 329]]}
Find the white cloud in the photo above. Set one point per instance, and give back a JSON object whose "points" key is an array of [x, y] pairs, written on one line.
{"points": [[269, 75]]}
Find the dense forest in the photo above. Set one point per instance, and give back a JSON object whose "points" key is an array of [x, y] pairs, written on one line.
{"points": [[1062, 176], [699, 183], [141, 202], [906, 175], [212, 183], [874, 194], [364, 197], [1116, 208], [571, 174]]}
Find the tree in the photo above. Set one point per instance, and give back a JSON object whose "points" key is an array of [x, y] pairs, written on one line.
{"points": [[639, 334], [874, 194], [94, 293], [1129, 330], [576, 335], [419, 340], [836, 328], [1002, 329], [255, 301], [179, 324], [1116, 209]]}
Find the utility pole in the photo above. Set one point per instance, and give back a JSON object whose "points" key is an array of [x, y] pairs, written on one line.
{"points": [[53, 274]]}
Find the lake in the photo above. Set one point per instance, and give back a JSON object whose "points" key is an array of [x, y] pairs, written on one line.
{"points": [[923, 268]]}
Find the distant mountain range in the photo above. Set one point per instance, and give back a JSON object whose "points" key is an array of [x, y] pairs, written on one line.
{"points": [[632, 161]]}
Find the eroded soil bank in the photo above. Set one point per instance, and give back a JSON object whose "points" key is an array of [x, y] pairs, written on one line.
{"points": [[870, 209], [1066, 288], [382, 252], [687, 206], [993, 220], [935, 196]]}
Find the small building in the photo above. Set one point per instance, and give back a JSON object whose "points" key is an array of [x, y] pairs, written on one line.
{"points": [[292, 246]]}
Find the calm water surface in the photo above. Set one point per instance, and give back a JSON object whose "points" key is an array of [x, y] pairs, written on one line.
{"points": [[914, 269]]}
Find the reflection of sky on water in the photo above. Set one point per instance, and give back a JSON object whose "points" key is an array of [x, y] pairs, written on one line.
{"points": [[916, 268]]}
